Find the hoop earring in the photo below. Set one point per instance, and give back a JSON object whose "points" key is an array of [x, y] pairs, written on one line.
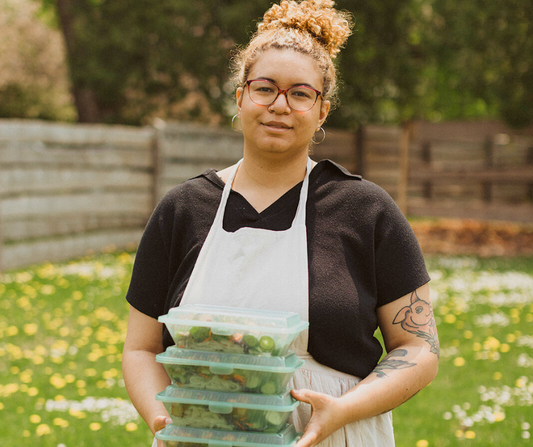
{"points": [[235, 117], [323, 137]]}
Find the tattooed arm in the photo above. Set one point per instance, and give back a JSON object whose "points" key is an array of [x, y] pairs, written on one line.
{"points": [[411, 340]]}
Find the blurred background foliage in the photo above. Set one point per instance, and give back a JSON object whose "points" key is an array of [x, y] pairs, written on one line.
{"points": [[131, 61]]}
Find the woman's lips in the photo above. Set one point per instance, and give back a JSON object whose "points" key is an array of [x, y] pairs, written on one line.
{"points": [[277, 126]]}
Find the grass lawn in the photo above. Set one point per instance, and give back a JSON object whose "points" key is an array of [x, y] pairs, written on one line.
{"points": [[62, 329]]}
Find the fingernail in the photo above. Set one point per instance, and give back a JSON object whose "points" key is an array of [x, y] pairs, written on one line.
{"points": [[168, 421]]}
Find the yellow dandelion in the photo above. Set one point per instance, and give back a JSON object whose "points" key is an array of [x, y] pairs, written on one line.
{"points": [[492, 343], [468, 334], [450, 318], [131, 426], [60, 422], [77, 295], [422, 443], [40, 350], [25, 377], [459, 433], [81, 383], [521, 382], [33, 391], [499, 416], [48, 289], [14, 370], [64, 331], [57, 381], [113, 372], [1, 406], [515, 313], [43, 429], [90, 372], [35, 418], [77, 413], [469, 434], [95, 426], [11, 388], [497, 375], [529, 318], [93, 356], [11, 331], [70, 378], [505, 347], [26, 434], [459, 361], [30, 328], [38, 360]]}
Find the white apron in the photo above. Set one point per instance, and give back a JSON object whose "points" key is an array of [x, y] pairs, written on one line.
{"points": [[265, 269]]}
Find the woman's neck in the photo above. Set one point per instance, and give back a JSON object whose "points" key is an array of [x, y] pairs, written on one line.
{"points": [[263, 181]]}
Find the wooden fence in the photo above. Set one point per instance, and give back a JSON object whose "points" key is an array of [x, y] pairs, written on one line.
{"points": [[67, 189], [480, 170]]}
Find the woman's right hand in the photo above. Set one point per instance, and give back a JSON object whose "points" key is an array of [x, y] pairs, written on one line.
{"points": [[160, 423]]}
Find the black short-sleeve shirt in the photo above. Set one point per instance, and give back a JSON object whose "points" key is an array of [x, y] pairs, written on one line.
{"points": [[362, 255]]}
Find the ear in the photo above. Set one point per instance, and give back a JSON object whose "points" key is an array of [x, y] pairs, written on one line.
{"points": [[401, 316], [324, 111], [239, 94]]}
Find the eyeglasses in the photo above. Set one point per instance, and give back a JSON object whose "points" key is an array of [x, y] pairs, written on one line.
{"points": [[300, 97]]}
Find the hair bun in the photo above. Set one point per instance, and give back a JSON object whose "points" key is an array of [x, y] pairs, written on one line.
{"points": [[319, 18]]}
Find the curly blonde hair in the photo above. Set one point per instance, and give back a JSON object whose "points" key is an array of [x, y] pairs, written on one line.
{"points": [[312, 27]]}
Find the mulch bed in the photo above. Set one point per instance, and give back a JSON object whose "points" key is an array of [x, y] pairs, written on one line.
{"points": [[471, 237]]}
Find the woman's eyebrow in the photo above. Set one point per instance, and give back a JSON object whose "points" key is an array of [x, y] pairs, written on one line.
{"points": [[297, 84]]}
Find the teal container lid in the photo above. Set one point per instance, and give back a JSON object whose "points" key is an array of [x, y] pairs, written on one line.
{"points": [[224, 403], [219, 438], [222, 363], [227, 320]]}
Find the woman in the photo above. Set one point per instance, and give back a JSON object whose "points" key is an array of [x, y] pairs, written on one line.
{"points": [[279, 231]]}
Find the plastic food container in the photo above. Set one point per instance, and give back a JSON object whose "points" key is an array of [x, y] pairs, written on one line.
{"points": [[228, 411], [233, 330], [174, 436], [229, 373]]}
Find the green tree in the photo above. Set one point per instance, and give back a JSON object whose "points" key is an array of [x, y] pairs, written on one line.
{"points": [[135, 59], [436, 59], [480, 59]]}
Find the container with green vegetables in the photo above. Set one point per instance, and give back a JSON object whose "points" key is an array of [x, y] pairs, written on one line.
{"points": [[233, 330], [228, 411], [229, 373], [174, 436]]}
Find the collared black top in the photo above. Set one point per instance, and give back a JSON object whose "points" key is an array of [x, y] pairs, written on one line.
{"points": [[362, 255]]}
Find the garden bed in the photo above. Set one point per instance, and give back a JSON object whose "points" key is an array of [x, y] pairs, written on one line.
{"points": [[471, 237]]}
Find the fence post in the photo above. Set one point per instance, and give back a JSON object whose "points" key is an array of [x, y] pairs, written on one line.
{"points": [[529, 162], [360, 150], [157, 127], [403, 180], [489, 163], [1, 237]]}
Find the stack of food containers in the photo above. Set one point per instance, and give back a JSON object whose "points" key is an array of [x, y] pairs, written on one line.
{"points": [[229, 370]]}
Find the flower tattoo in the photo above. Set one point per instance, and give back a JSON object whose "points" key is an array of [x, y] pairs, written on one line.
{"points": [[418, 319], [392, 361]]}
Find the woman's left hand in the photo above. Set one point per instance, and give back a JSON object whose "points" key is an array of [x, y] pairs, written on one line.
{"points": [[326, 416]]}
